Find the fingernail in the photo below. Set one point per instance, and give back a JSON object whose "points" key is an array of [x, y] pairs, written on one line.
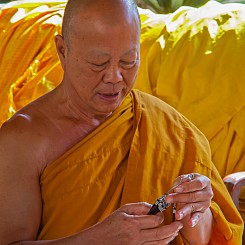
{"points": [[161, 219], [181, 215], [193, 222], [169, 199]]}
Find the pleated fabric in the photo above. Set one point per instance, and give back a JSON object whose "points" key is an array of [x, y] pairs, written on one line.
{"points": [[134, 156]]}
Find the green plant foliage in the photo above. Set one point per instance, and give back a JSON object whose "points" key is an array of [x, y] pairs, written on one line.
{"points": [[169, 6], [231, 1], [4, 1]]}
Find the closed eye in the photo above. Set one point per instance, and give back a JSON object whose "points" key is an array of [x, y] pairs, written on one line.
{"points": [[98, 66], [128, 65]]}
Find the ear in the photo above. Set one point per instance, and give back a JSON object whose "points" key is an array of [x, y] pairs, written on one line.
{"points": [[61, 48]]}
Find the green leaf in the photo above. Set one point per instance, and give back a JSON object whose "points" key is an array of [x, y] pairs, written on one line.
{"points": [[154, 5], [194, 3], [175, 4]]}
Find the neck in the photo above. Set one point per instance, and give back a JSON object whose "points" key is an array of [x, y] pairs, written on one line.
{"points": [[71, 110]]}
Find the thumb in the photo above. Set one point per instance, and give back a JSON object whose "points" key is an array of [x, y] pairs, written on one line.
{"points": [[140, 208]]}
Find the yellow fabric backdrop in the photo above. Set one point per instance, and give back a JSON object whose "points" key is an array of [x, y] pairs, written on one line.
{"points": [[192, 59], [29, 66]]}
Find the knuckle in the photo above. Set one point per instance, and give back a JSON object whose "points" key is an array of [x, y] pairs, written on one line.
{"points": [[205, 206], [209, 194], [192, 197], [201, 183], [132, 223], [125, 219], [156, 221]]}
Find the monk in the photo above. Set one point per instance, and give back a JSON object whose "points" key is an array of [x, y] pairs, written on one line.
{"points": [[83, 163]]}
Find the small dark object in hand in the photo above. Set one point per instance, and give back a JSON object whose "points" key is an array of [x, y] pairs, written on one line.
{"points": [[160, 204]]}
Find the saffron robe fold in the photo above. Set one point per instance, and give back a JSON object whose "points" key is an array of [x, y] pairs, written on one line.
{"points": [[135, 155], [192, 59]]}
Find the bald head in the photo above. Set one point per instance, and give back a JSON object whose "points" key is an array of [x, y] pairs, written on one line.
{"points": [[90, 11]]}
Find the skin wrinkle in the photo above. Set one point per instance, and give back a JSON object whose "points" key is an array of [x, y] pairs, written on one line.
{"points": [[115, 53], [65, 116]]}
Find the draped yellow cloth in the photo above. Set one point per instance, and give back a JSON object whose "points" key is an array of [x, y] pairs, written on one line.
{"points": [[29, 65], [193, 59], [134, 156]]}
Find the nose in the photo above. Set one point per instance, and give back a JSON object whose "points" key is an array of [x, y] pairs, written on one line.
{"points": [[113, 74]]}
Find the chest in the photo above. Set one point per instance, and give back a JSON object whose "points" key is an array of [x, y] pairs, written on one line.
{"points": [[56, 143]]}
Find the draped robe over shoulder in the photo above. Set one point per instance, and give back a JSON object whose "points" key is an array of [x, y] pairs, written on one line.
{"points": [[193, 59], [133, 156]]}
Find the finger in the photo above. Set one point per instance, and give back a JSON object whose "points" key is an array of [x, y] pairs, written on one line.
{"points": [[163, 241], [147, 221], [181, 179], [190, 197], [162, 232], [198, 183], [188, 177], [191, 208], [140, 208], [195, 217]]}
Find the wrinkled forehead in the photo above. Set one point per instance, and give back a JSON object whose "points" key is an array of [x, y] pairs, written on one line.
{"points": [[84, 14]]}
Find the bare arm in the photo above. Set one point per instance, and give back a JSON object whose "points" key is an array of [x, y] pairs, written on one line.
{"points": [[20, 198]]}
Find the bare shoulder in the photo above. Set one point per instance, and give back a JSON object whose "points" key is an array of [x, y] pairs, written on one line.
{"points": [[20, 139], [20, 197], [29, 141], [24, 146]]}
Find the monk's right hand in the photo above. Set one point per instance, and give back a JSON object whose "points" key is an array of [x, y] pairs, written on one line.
{"points": [[130, 224]]}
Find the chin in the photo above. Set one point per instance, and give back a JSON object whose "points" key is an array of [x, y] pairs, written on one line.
{"points": [[106, 105], [108, 110]]}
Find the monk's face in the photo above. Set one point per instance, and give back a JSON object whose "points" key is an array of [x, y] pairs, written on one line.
{"points": [[101, 59]]}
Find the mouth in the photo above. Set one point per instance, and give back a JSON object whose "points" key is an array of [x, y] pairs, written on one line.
{"points": [[109, 95]]}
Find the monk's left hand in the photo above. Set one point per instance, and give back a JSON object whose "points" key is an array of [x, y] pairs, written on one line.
{"points": [[193, 198]]}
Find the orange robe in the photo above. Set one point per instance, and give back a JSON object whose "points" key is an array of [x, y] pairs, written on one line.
{"points": [[133, 156], [192, 59]]}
